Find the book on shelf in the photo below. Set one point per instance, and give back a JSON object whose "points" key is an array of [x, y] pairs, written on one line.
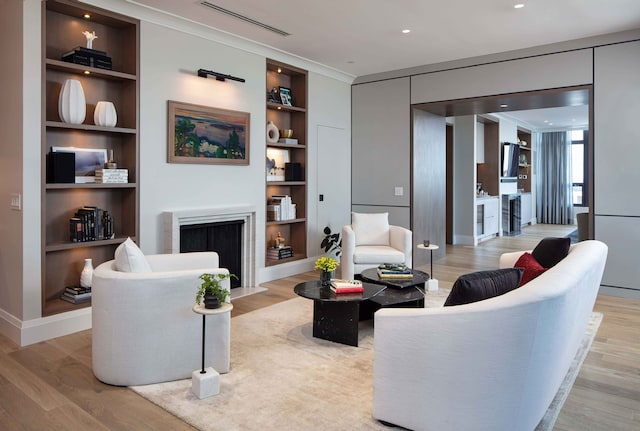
{"points": [[77, 290], [76, 298], [112, 176], [90, 223], [280, 208], [346, 286], [280, 253]]}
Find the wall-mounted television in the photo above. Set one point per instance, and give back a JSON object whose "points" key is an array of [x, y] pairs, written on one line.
{"points": [[510, 159]]}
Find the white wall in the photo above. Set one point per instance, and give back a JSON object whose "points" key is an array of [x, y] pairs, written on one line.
{"points": [[167, 71]]}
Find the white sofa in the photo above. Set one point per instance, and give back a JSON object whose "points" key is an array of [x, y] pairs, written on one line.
{"points": [[370, 240], [492, 365], [144, 329]]}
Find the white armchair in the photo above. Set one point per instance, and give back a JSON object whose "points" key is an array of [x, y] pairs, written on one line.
{"points": [[370, 240], [144, 329]]}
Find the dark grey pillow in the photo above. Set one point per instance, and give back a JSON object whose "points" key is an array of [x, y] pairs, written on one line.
{"points": [[550, 251], [480, 285]]}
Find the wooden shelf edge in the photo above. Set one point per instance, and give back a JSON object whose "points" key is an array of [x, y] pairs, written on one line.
{"points": [[69, 186], [55, 306], [281, 222], [286, 108], [94, 71], [89, 127], [61, 246], [294, 146], [286, 183], [273, 262]]}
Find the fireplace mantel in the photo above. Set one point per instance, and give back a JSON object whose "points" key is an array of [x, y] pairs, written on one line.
{"points": [[247, 213]]}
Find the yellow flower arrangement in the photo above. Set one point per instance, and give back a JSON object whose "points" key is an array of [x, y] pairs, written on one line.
{"points": [[328, 264]]}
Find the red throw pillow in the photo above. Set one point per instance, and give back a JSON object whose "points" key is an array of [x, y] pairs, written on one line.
{"points": [[531, 266]]}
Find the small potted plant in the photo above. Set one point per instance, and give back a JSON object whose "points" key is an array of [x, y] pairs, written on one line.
{"points": [[327, 266], [212, 291]]}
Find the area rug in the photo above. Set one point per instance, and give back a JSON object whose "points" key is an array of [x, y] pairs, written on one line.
{"points": [[283, 378]]}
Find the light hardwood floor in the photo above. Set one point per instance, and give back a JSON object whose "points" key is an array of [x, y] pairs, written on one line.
{"points": [[50, 386]]}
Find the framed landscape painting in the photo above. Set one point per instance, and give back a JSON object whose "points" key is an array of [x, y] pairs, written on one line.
{"points": [[201, 134]]}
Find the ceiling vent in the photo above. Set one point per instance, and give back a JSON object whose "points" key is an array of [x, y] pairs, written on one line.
{"points": [[244, 18]]}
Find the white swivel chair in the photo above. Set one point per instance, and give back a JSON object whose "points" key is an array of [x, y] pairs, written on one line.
{"points": [[370, 240], [144, 329]]}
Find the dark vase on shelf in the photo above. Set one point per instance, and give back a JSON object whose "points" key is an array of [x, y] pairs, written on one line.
{"points": [[325, 278], [211, 301]]}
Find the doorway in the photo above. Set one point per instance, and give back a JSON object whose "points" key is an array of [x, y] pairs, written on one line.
{"points": [[517, 107]]}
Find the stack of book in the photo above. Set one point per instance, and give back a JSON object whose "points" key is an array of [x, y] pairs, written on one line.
{"points": [[281, 208], [112, 176], [76, 294], [394, 271], [340, 286], [90, 223], [280, 253], [88, 57]]}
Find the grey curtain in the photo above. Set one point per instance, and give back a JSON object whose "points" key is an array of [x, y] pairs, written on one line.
{"points": [[554, 200]]}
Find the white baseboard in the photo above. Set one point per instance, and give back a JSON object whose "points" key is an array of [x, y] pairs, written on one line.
{"points": [[24, 333], [275, 272]]}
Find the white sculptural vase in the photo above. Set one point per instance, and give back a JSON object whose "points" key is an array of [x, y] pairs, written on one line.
{"points": [[71, 103], [273, 134], [105, 114], [87, 273]]}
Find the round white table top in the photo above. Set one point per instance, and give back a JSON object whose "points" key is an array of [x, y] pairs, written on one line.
{"points": [[224, 308], [429, 247]]}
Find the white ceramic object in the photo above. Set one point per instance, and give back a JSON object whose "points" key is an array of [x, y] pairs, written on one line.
{"points": [[71, 103], [105, 114], [86, 276], [273, 134]]}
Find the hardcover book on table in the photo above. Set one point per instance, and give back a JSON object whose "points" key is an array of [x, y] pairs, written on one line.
{"points": [[346, 286]]}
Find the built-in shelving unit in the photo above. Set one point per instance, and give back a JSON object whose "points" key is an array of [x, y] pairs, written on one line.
{"points": [[63, 24], [294, 230], [524, 166]]}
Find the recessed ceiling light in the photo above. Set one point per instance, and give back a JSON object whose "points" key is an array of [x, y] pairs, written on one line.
{"points": [[504, 105], [406, 30], [87, 16], [545, 121], [518, 5]]}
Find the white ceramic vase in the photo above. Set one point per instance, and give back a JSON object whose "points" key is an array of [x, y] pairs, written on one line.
{"points": [[105, 114], [87, 273], [273, 134], [71, 103]]}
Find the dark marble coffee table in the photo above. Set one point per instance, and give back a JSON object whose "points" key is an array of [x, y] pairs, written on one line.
{"points": [[335, 317], [400, 292]]}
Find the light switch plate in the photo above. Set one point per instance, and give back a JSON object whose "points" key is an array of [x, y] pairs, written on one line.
{"points": [[399, 191], [16, 201]]}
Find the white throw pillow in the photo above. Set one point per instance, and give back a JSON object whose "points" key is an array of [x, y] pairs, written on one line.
{"points": [[370, 229], [129, 258]]}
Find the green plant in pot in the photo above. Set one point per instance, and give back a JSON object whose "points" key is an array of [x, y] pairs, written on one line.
{"points": [[211, 290], [327, 266]]}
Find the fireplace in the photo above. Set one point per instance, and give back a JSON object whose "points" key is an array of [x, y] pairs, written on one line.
{"points": [[223, 237], [196, 223]]}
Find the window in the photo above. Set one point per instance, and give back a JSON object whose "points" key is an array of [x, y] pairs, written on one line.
{"points": [[579, 166]]}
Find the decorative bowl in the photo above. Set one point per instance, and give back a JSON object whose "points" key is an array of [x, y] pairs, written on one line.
{"points": [[286, 133]]}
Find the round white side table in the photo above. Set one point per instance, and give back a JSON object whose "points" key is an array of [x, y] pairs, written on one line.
{"points": [[432, 284], [206, 381]]}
